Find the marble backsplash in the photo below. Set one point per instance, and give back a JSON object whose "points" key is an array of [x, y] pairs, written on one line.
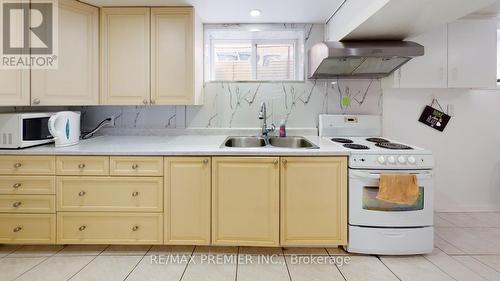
{"points": [[236, 105]]}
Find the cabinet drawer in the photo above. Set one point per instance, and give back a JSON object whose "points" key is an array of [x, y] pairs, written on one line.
{"points": [[27, 165], [27, 204], [136, 166], [27, 229], [106, 228], [83, 165], [110, 194], [27, 185]]}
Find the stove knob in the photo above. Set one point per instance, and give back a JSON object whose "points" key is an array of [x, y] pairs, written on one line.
{"points": [[412, 160], [391, 160], [402, 159], [381, 159]]}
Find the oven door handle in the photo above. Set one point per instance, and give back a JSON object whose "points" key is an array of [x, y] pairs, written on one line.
{"points": [[376, 176]]}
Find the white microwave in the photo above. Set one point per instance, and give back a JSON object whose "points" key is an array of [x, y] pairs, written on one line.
{"points": [[20, 130]]}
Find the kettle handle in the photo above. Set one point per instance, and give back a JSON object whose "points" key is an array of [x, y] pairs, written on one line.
{"points": [[52, 126]]}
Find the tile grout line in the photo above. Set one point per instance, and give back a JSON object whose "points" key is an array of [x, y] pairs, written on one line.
{"points": [[438, 267], [393, 273], [286, 264], [471, 269], [487, 265], [31, 268], [437, 214], [188, 263], [17, 248], [138, 262], [336, 266], [95, 257]]}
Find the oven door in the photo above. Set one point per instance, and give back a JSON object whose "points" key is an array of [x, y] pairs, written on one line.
{"points": [[366, 210]]}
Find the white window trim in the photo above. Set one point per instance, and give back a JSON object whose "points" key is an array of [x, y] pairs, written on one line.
{"points": [[294, 36]]}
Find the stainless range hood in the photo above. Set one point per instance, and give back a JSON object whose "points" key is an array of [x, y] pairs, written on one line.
{"points": [[360, 59]]}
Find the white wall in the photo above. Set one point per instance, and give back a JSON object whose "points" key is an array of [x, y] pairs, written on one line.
{"points": [[468, 151]]}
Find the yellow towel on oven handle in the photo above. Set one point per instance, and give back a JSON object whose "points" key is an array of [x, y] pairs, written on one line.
{"points": [[398, 188]]}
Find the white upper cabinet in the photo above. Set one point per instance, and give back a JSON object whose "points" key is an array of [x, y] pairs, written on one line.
{"points": [[462, 54], [76, 80], [428, 71], [472, 53], [125, 56]]}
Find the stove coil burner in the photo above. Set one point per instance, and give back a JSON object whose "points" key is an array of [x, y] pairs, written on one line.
{"points": [[392, 145], [342, 140], [356, 146], [377, 140]]}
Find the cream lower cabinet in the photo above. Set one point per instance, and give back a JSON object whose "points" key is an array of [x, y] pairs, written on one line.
{"points": [[187, 200], [245, 201], [313, 201]]}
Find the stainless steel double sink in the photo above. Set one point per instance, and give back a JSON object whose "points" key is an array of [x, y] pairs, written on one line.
{"points": [[256, 142]]}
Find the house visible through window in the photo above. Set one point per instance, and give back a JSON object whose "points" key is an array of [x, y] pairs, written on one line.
{"points": [[241, 55]]}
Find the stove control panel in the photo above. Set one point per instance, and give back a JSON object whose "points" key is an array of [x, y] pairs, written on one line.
{"points": [[391, 161]]}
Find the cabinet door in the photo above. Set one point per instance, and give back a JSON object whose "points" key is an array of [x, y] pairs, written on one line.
{"points": [[187, 200], [172, 55], [472, 53], [313, 201], [75, 81], [245, 201], [125, 61], [15, 87], [429, 70]]}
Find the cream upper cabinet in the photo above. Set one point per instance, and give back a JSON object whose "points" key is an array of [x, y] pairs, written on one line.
{"points": [[172, 56], [187, 200], [472, 53], [125, 56], [76, 79], [245, 201], [313, 201], [15, 89]]}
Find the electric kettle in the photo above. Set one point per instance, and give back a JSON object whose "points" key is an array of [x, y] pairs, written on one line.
{"points": [[65, 127]]}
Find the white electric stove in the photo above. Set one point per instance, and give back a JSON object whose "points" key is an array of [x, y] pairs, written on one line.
{"points": [[375, 226]]}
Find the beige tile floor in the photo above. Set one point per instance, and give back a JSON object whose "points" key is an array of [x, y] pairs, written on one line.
{"points": [[467, 247]]}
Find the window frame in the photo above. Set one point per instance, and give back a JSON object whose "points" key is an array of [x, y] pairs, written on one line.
{"points": [[297, 41]]}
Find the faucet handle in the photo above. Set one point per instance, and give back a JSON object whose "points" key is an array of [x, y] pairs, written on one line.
{"points": [[272, 128]]}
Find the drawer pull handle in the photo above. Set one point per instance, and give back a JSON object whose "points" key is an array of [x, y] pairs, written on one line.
{"points": [[205, 161], [17, 165], [81, 193], [17, 185], [135, 166], [135, 194], [82, 228], [135, 228], [81, 166], [17, 229], [16, 204]]}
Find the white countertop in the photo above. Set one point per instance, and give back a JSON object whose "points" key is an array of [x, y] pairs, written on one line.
{"points": [[175, 145]]}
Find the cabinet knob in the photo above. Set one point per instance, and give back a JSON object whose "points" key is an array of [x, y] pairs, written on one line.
{"points": [[284, 161], [135, 193], [81, 166], [135, 228], [16, 204], [145, 101], [81, 193], [17, 165], [36, 101], [275, 162], [16, 185], [82, 228], [153, 102], [205, 161], [135, 166], [17, 229]]}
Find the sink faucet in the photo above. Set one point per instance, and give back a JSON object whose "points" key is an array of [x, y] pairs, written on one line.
{"points": [[263, 117]]}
